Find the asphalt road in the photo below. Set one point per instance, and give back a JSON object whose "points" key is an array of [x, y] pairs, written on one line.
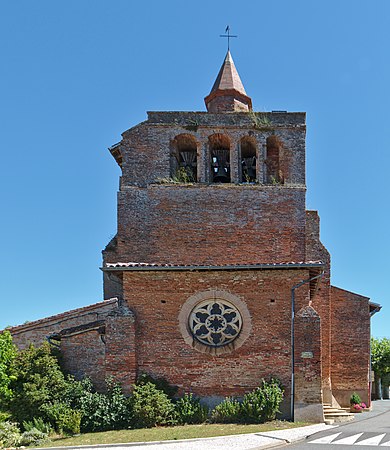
{"points": [[368, 430]]}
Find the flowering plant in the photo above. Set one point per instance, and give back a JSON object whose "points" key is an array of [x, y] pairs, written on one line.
{"points": [[363, 405], [357, 407]]}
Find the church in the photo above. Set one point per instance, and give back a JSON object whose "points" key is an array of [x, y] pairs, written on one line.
{"points": [[217, 277]]}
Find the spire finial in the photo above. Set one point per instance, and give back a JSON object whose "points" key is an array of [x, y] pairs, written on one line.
{"points": [[228, 36]]}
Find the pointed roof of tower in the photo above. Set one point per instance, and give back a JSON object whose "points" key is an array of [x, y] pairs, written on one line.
{"points": [[228, 93], [228, 77]]}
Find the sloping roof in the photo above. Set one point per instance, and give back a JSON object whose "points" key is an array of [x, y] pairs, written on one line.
{"points": [[228, 77]]}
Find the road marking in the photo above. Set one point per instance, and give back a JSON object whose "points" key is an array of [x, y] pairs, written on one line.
{"points": [[348, 440], [372, 440], [386, 444], [325, 439]]}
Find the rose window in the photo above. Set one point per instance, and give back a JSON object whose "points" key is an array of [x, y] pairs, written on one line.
{"points": [[215, 322]]}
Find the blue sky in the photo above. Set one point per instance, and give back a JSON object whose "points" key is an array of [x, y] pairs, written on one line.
{"points": [[76, 74]]}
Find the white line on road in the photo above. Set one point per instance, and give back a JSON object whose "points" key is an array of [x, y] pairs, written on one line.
{"points": [[325, 439], [372, 440], [349, 440]]}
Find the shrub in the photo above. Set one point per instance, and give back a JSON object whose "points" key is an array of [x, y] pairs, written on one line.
{"points": [[65, 419], [227, 411], [4, 416], [33, 437], [189, 410], [102, 412], [7, 355], [9, 434], [39, 381], [355, 399], [161, 384], [262, 403], [38, 424], [151, 407]]}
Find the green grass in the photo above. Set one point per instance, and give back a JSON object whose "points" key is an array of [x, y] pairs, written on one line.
{"points": [[168, 433]]}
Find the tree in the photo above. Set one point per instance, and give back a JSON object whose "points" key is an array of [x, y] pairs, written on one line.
{"points": [[39, 381], [380, 361], [7, 356]]}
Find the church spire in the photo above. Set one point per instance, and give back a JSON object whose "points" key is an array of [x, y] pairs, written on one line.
{"points": [[228, 93]]}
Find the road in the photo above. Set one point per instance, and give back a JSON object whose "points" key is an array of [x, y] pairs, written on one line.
{"points": [[369, 429]]}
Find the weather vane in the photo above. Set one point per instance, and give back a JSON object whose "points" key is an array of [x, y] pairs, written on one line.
{"points": [[228, 36]]}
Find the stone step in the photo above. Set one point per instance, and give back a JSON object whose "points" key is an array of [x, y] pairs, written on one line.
{"points": [[336, 415]]}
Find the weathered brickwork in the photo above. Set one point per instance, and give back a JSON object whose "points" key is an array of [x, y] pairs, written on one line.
{"points": [[307, 364], [157, 298], [84, 356], [213, 235], [350, 351], [322, 302], [36, 332]]}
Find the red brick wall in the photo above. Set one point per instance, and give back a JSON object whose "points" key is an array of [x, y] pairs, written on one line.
{"points": [[350, 345], [120, 342], [315, 250], [156, 299], [37, 331], [210, 225], [83, 355]]}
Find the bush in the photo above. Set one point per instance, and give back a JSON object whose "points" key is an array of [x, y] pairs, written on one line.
{"points": [[262, 404], [189, 410], [65, 419], [101, 412], [355, 399], [39, 381], [227, 411], [151, 407], [38, 424], [33, 437], [7, 355], [4, 416], [9, 434], [161, 384]]}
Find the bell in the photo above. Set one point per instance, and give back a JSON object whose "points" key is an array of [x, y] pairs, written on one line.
{"points": [[221, 176]]}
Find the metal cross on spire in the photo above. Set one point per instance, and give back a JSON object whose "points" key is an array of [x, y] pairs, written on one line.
{"points": [[228, 36]]}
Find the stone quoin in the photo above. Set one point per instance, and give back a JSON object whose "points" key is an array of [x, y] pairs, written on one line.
{"points": [[216, 277]]}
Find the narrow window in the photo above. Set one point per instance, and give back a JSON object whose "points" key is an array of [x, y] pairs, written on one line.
{"points": [[220, 158], [274, 174], [184, 161], [248, 160]]}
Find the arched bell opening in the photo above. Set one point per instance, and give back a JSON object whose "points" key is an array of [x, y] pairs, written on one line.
{"points": [[219, 145], [274, 174], [184, 158], [248, 159]]}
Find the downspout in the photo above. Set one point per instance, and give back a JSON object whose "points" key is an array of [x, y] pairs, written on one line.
{"points": [[293, 340]]}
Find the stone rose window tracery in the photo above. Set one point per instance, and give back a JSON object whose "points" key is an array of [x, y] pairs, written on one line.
{"points": [[215, 322]]}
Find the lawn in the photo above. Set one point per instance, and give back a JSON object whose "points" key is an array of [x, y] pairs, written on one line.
{"points": [[168, 433]]}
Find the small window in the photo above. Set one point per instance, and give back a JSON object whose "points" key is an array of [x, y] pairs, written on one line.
{"points": [[220, 158]]}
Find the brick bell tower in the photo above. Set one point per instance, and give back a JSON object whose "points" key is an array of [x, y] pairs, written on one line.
{"points": [[211, 239]]}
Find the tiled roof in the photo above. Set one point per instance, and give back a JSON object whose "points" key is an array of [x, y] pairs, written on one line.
{"points": [[228, 77], [168, 266]]}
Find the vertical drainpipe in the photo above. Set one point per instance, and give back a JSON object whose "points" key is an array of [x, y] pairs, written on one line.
{"points": [[293, 340]]}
